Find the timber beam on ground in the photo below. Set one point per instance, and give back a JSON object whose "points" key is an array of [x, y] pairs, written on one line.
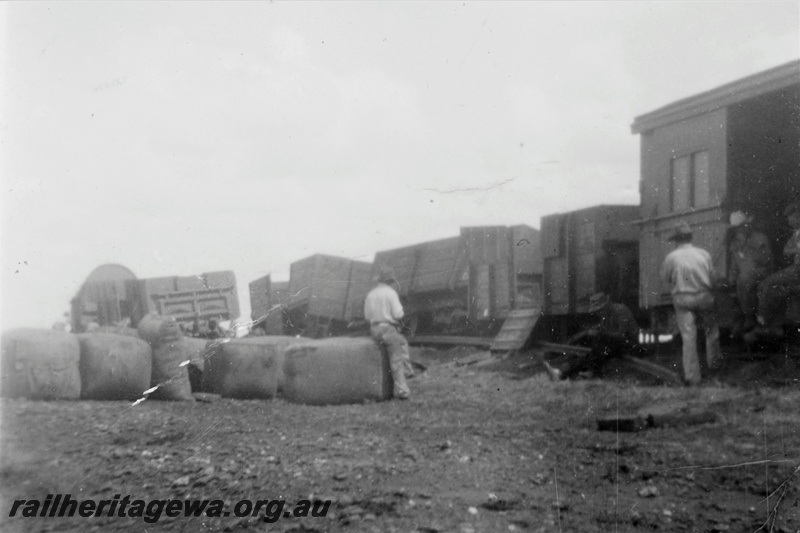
{"points": [[481, 342], [562, 348], [653, 369]]}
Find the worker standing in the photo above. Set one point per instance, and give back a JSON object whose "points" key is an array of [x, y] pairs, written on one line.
{"points": [[776, 289], [383, 311], [751, 262], [689, 271]]}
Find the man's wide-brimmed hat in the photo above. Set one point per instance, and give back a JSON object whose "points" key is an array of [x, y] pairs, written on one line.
{"points": [[681, 231], [598, 301], [386, 274]]}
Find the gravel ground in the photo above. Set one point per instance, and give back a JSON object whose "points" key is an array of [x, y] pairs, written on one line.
{"points": [[490, 446]]}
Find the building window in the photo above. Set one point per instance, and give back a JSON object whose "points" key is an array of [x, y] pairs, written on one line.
{"points": [[689, 184], [701, 185]]}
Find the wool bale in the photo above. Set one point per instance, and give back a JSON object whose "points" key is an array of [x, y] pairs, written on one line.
{"points": [[170, 362], [114, 367], [336, 371], [40, 364], [246, 368], [170, 372]]}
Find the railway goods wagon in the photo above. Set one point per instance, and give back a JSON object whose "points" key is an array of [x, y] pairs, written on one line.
{"points": [[467, 285], [590, 250], [587, 251], [276, 319], [186, 298], [733, 147], [112, 295], [432, 280], [268, 300], [104, 298], [324, 292], [361, 283], [505, 269], [260, 296]]}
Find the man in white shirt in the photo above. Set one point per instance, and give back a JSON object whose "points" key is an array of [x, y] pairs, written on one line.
{"points": [[383, 311], [689, 272]]}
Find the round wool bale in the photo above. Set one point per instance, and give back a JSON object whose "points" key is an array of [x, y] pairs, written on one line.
{"points": [[246, 368], [114, 367], [40, 364], [336, 371]]}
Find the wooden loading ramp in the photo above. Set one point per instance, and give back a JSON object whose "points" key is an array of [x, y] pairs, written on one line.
{"points": [[515, 331]]}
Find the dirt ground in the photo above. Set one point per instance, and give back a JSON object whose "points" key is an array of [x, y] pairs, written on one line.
{"points": [[484, 447]]}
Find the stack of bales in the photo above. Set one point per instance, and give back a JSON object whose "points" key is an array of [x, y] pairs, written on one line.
{"points": [[123, 364], [318, 372]]}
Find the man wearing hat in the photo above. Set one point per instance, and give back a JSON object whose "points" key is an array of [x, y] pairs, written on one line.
{"points": [[615, 332], [689, 271], [750, 263], [383, 311], [775, 290]]}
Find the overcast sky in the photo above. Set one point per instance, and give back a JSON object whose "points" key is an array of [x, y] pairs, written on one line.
{"points": [[188, 137]]}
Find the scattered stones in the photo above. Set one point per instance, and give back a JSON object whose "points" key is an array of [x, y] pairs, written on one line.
{"points": [[650, 491], [182, 481]]}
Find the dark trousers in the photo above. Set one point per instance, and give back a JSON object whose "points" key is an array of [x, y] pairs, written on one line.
{"points": [[603, 347]]}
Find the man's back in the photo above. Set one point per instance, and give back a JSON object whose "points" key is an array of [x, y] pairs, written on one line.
{"points": [[383, 305], [688, 269]]}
